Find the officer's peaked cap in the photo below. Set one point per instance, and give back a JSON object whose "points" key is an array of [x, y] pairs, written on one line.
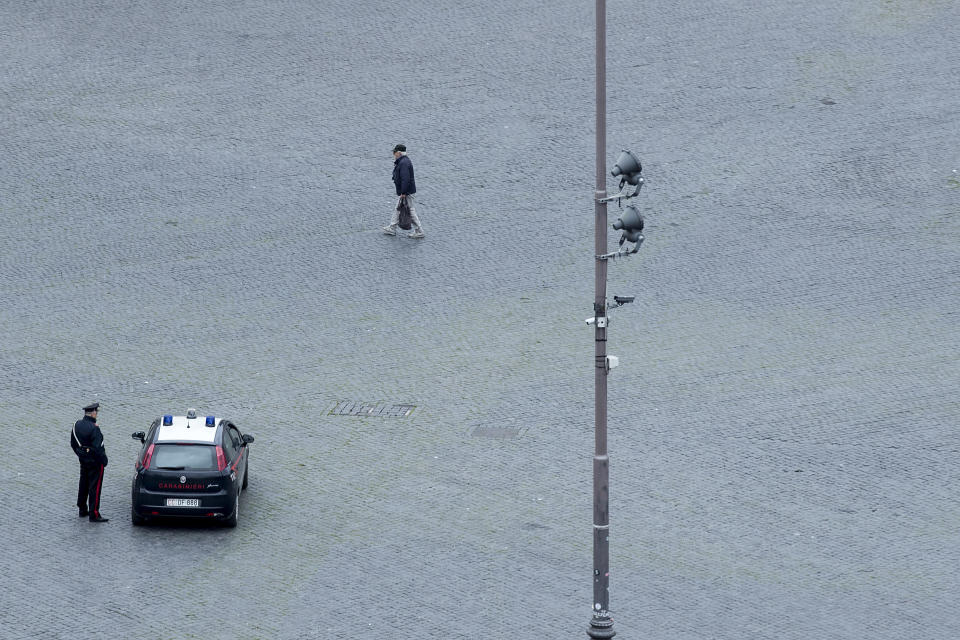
{"points": [[93, 406]]}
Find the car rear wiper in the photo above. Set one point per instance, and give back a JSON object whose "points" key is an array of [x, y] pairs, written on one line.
{"points": [[172, 468]]}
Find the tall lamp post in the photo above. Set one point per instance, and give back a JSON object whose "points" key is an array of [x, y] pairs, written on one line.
{"points": [[629, 170], [601, 624]]}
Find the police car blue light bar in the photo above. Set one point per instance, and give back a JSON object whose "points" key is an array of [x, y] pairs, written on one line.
{"points": [[210, 421], [167, 420]]}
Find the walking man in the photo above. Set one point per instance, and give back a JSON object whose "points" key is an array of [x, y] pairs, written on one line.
{"points": [[406, 190], [87, 443]]}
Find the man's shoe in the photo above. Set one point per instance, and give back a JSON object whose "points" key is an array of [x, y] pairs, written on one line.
{"points": [[416, 234], [390, 231], [84, 513], [99, 519]]}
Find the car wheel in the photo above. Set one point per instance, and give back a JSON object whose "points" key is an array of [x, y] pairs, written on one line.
{"points": [[232, 520], [246, 474], [136, 519]]}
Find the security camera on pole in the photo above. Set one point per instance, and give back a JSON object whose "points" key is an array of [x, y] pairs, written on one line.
{"points": [[628, 168]]}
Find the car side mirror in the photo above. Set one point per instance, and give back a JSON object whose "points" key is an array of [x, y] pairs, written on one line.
{"points": [[247, 439], [139, 435]]}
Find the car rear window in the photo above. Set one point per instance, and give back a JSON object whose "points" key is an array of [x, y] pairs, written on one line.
{"points": [[184, 456]]}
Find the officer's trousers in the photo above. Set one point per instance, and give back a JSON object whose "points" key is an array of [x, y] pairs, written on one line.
{"points": [[88, 493]]}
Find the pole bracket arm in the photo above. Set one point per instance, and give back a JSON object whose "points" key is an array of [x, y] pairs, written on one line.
{"points": [[616, 196], [614, 255]]}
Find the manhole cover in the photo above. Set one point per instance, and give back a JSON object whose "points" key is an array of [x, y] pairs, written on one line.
{"points": [[350, 408], [496, 432]]}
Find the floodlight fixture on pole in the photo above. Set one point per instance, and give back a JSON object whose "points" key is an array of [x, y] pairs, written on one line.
{"points": [[631, 223], [628, 167]]}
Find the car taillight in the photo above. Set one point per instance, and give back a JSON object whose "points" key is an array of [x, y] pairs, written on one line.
{"points": [[221, 460], [145, 463]]}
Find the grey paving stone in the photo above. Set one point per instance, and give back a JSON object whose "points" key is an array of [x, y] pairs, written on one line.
{"points": [[191, 197]]}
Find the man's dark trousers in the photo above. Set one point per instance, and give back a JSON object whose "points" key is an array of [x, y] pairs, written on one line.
{"points": [[88, 493]]}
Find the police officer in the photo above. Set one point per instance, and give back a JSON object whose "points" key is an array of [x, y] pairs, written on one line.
{"points": [[87, 443]]}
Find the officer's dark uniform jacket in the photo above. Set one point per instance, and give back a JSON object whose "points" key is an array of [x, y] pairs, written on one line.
{"points": [[90, 448]]}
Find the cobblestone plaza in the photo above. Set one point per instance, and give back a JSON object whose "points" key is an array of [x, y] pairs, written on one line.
{"points": [[191, 196]]}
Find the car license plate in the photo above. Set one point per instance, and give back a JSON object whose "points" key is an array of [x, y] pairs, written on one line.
{"points": [[183, 502]]}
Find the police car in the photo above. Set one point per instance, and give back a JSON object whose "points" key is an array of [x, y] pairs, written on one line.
{"points": [[192, 467]]}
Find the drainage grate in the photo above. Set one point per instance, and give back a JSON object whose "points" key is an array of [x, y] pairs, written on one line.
{"points": [[350, 408], [503, 433]]}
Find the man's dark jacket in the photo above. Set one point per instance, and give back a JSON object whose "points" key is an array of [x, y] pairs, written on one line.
{"points": [[403, 176], [90, 449]]}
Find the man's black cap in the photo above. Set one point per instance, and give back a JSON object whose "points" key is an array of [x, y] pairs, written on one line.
{"points": [[400, 147], [93, 406]]}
